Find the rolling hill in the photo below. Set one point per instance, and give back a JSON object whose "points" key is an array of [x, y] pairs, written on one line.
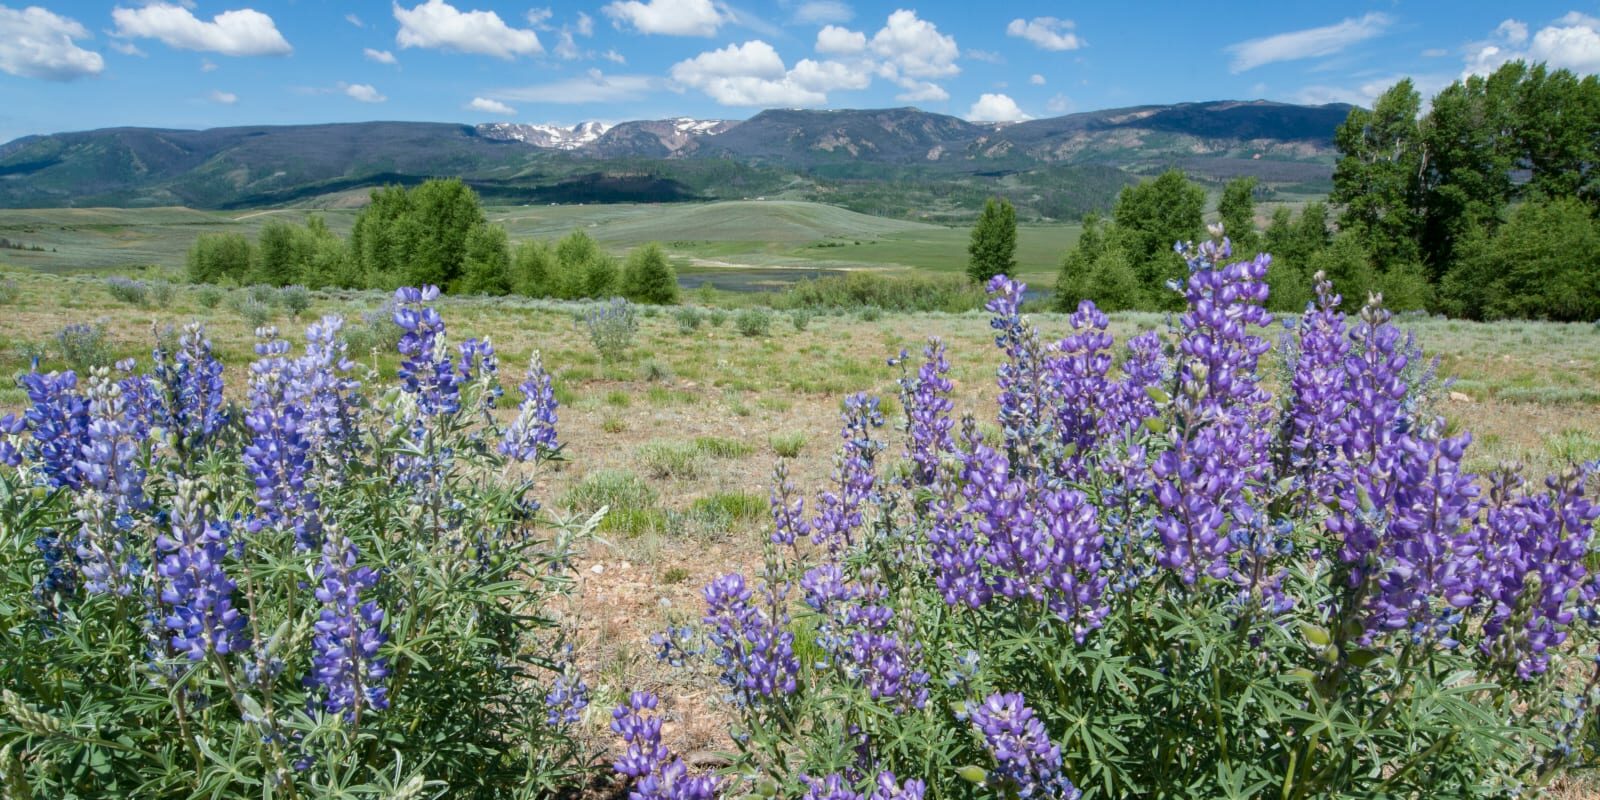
{"points": [[895, 162]]}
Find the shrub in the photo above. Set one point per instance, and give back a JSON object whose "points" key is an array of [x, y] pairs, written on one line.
{"points": [[83, 346], [689, 318], [648, 277], [295, 299], [126, 290], [717, 316], [800, 318], [219, 258], [225, 606], [655, 371], [612, 327], [208, 296], [753, 322], [378, 332], [161, 293], [950, 293], [9, 292], [1159, 582], [672, 460], [249, 306]]}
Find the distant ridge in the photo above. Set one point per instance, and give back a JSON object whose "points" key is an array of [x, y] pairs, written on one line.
{"points": [[674, 159]]}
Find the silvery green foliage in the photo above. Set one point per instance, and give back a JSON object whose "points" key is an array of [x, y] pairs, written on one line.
{"points": [[1157, 580], [333, 591], [612, 326]]}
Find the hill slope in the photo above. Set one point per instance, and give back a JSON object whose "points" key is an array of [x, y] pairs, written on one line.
{"points": [[850, 157]]}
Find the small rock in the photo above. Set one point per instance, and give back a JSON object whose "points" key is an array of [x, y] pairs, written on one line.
{"points": [[664, 603], [598, 569], [1458, 397]]}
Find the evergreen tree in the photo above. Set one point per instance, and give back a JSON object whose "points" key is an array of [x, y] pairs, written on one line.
{"points": [[1114, 286], [487, 266], [993, 249], [649, 277], [1238, 211]]}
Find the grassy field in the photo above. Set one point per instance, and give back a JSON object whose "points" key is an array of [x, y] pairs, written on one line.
{"points": [[679, 438], [722, 236]]}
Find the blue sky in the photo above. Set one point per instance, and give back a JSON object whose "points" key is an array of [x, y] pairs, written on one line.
{"points": [[79, 65]]}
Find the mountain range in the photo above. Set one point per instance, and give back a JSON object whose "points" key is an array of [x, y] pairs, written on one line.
{"points": [[902, 162]]}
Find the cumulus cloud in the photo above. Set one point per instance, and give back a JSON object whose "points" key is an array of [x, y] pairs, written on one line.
{"points": [[614, 57], [996, 108], [567, 47], [488, 106], [915, 91], [1366, 92], [585, 25], [593, 87], [363, 92], [914, 46], [35, 43], [835, 40], [1059, 104], [436, 24], [244, 32], [986, 56], [819, 12], [667, 17], [753, 74], [225, 98], [380, 56], [1308, 43], [1571, 42], [1046, 33], [1036, 79]]}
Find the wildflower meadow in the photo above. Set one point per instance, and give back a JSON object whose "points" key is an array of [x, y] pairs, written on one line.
{"points": [[1239, 557]]}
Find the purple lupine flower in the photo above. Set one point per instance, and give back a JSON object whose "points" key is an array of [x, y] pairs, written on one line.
{"points": [[1074, 580], [1002, 512], [533, 433], [11, 429], [198, 594], [827, 590], [140, 398], [1026, 761], [657, 773], [927, 405], [111, 489], [1535, 574], [278, 456], [888, 787], [347, 671], [479, 364], [58, 421], [1221, 446], [1077, 370], [756, 651], [426, 371], [789, 522], [1428, 554], [1024, 400], [565, 701], [326, 393], [1129, 403], [885, 662], [831, 787], [855, 474], [676, 645], [1317, 395], [190, 381], [954, 549]]}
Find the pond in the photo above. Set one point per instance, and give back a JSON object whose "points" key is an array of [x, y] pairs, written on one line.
{"points": [[750, 279]]}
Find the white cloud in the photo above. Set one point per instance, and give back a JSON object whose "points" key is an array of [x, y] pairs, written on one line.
{"points": [[1308, 43], [437, 24], [819, 12], [354, 20], [539, 17], [915, 47], [614, 57], [667, 17], [585, 25], [207, 65], [916, 91], [1571, 42], [1046, 33], [34, 43], [567, 47], [1363, 95], [1059, 104], [244, 32], [225, 98], [380, 56], [835, 40], [753, 74], [1036, 79], [488, 106], [1435, 52], [363, 92], [126, 48], [594, 87], [996, 108], [986, 56]]}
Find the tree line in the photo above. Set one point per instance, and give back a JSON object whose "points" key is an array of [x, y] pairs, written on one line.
{"points": [[1483, 207], [435, 233]]}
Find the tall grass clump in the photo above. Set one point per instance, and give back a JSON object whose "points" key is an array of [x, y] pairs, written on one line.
{"points": [[324, 589], [208, 296], [612, 327], [83, 346], [9, 291], [1155, 581], [127, 290], [753, 322]]}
